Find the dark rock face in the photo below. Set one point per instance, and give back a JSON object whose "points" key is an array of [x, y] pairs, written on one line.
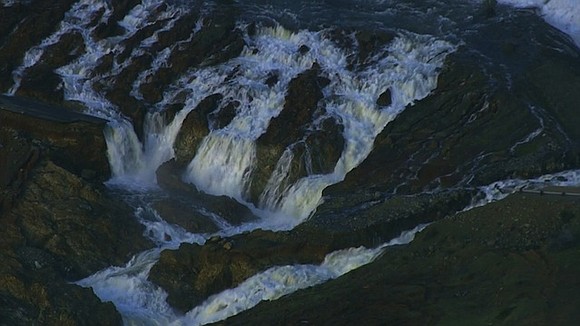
{"points": [[319, 147], [23, 26], [468, 269], [40, 81], [194, 128], [454, 138], [72, 140], [371, 41], [218, 41], [59, 223], [385, 98], [80, 225], [180, 212]]}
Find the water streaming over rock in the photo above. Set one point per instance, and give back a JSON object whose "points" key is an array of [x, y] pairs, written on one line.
{"points": [[255, 82]]}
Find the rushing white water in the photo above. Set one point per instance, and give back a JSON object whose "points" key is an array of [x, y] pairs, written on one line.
{"points": [[133, 163], [562, 14], [139, 301], [142, 303], [409, 67], [225, 159], [501, 189], [278, 281]]}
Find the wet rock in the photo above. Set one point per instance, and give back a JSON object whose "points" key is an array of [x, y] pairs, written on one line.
{"points": [[111, 27], [291, 126], [118, 89], [437, 278], [56, 226], [488, 8], [217, 41], [51, 302], [194, 128], [17, 157], [193, 272], [185, 214], [559, 98], [325, 146], [385, 99], [224, 115], [272, 79], [28, 25], [40, 81], [453, 133], [227, 209], [73, 140], [75, 222], [371, 41]]}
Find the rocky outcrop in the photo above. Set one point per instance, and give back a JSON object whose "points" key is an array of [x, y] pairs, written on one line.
{"points": [[218, 41], [22, 26], [228, 209], [72, 140], [40, 81], [451, 139], [59, 223], [468, 269], [193, 272], [194, 128], [317, 146], [81, 226]]}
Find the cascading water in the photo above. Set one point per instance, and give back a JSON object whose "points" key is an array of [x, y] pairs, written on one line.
{"points": [[408, 66], [226, 157]]}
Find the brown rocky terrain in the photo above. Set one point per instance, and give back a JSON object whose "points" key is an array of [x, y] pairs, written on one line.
{"points": [[59, 222]]}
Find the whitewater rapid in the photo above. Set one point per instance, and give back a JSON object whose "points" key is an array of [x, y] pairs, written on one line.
{"points": [[223, 164], [143, 303]]}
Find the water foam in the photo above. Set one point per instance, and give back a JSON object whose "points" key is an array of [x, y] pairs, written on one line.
{"points": [[409, 67], [562, 14], [501, 189], [143, 303]]}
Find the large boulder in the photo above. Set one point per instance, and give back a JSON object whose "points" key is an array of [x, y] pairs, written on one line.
{"points": [[227, 209], [193, 272], [71, 139], [317, 146], [194, 128]]}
